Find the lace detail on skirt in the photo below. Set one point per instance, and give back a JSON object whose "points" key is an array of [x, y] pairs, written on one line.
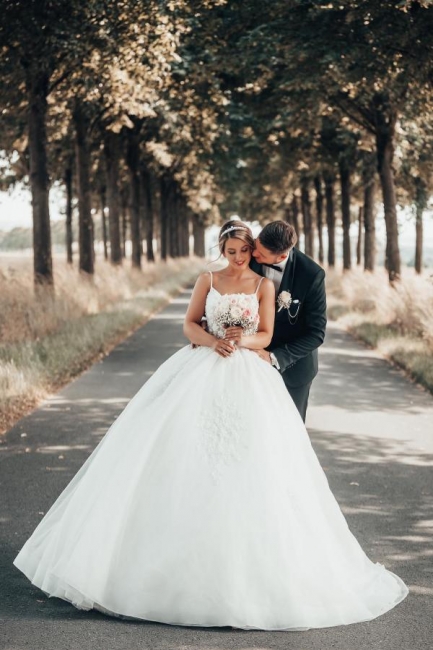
{"points": [[223, 435]]}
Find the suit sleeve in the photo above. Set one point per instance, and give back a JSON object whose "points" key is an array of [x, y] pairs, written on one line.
{"points": [[288, 354]]}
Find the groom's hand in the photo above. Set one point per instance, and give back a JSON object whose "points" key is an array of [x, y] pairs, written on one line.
{"points": [[264, 354]]}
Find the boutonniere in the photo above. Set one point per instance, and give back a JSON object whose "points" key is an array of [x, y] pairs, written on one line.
{"points": [[284, 300]]}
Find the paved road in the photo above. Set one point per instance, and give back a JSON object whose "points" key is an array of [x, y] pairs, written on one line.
{"points": [[371, 428]]}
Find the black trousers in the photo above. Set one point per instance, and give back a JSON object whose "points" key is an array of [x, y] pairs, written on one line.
{"points": [[300, 396]]}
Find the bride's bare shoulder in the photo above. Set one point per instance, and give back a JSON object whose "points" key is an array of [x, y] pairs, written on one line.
{"points": [[218, 274], [204, 280], [266, 286]]}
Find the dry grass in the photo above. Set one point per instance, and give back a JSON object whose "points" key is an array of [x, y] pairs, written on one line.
{"points": [[25, 315], [45, 341], [397, 320]]}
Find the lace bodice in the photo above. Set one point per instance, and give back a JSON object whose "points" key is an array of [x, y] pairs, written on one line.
{"points": [[232, 309]]}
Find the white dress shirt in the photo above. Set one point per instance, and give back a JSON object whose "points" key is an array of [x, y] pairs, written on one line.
{"points": [[274, 275]]}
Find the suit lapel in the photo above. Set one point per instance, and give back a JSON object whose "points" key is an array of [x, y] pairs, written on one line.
{"points": [[287, 281], [288, 275], [288, 278]]}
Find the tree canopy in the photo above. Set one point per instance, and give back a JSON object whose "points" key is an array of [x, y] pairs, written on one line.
{"points": [[166, 114]]}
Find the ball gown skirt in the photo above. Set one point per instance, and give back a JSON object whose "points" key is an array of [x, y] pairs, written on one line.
{"points": [[205, 504]]}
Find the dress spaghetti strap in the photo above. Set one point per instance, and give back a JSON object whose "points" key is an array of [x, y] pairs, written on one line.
{"points": [[258, 286], [211, 285]]}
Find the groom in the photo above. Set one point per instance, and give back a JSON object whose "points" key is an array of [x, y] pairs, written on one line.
{"points": [[300, 319]]}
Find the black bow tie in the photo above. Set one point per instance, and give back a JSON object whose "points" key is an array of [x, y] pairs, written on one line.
{"points": [[275, 267]]}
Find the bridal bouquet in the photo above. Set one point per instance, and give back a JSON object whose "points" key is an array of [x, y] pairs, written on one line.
{"points": [[235, 312]]}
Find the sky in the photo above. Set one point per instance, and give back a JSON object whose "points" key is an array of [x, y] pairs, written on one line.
{"points": [[16, 208], [15, 211]]}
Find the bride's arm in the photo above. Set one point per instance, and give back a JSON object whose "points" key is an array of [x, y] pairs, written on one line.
{"points": [[192, 324], [196, 309], [267, 317]]}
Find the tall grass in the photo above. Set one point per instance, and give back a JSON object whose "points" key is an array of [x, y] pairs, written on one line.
{"points": [[45, 340], [398, 319]]}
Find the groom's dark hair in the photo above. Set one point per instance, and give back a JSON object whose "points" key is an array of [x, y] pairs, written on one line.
{"points": [[278, 237]]}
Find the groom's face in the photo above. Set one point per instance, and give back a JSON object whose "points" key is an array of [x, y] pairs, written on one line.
{"points": [[263, 255]]}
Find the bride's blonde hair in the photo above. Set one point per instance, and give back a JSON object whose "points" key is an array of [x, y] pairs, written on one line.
{"points": [[235, 229]]}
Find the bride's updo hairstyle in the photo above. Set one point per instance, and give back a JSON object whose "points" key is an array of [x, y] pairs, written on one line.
{"points": [[235, 229]]}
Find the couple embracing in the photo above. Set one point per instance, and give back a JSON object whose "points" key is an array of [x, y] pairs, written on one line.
{"points": [[204, 503], [300, 306]]}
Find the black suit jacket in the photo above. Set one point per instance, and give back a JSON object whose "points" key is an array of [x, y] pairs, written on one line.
{"points": [[295, 340]]}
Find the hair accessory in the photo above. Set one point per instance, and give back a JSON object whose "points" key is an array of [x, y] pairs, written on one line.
{"points": [[233, 228]]}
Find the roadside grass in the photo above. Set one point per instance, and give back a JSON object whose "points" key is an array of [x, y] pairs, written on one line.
{"points": [[45, 342], [397, 320]]}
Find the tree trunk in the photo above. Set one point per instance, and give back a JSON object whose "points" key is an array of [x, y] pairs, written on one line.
{"points": [[37, 91], [85, 224], [133, 161], [124, 213], [164, 215], [306, 217], [385, 129], [369, 218], [187, 232], [288, 215], [178, 224], [319, 214], [103, 202], [360, 231], [146, 195], [68, 186], [183, 229], [92, 235], [421, 197], [111, 150], [173, 220], [419, 239], [198, 233], [295, 217], [329, 180], [345, 213]]}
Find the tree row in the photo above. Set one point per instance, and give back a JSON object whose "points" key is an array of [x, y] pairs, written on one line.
{"points": [[179, 113]]}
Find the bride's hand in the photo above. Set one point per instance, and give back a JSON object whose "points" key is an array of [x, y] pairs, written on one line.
{"points": [[234, 334], [223, 347]]}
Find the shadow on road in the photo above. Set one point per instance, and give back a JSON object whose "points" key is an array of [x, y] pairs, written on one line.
{"points": [[373, 481], [360, 380], [381, 479]]}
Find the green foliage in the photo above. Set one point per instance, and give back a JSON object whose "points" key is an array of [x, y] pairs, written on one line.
{"points": [[16, 239], [234, 100]]}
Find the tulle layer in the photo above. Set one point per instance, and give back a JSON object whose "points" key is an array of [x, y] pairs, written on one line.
{"points": [[205, 504]]}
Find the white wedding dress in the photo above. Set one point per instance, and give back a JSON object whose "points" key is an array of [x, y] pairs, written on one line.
{"points": [[205, 504]]}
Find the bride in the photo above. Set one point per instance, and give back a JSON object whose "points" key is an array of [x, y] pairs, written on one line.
{"points": [[204, 503]]}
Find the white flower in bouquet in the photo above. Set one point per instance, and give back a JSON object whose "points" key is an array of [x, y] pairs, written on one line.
{"points": [[235, 312]]}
